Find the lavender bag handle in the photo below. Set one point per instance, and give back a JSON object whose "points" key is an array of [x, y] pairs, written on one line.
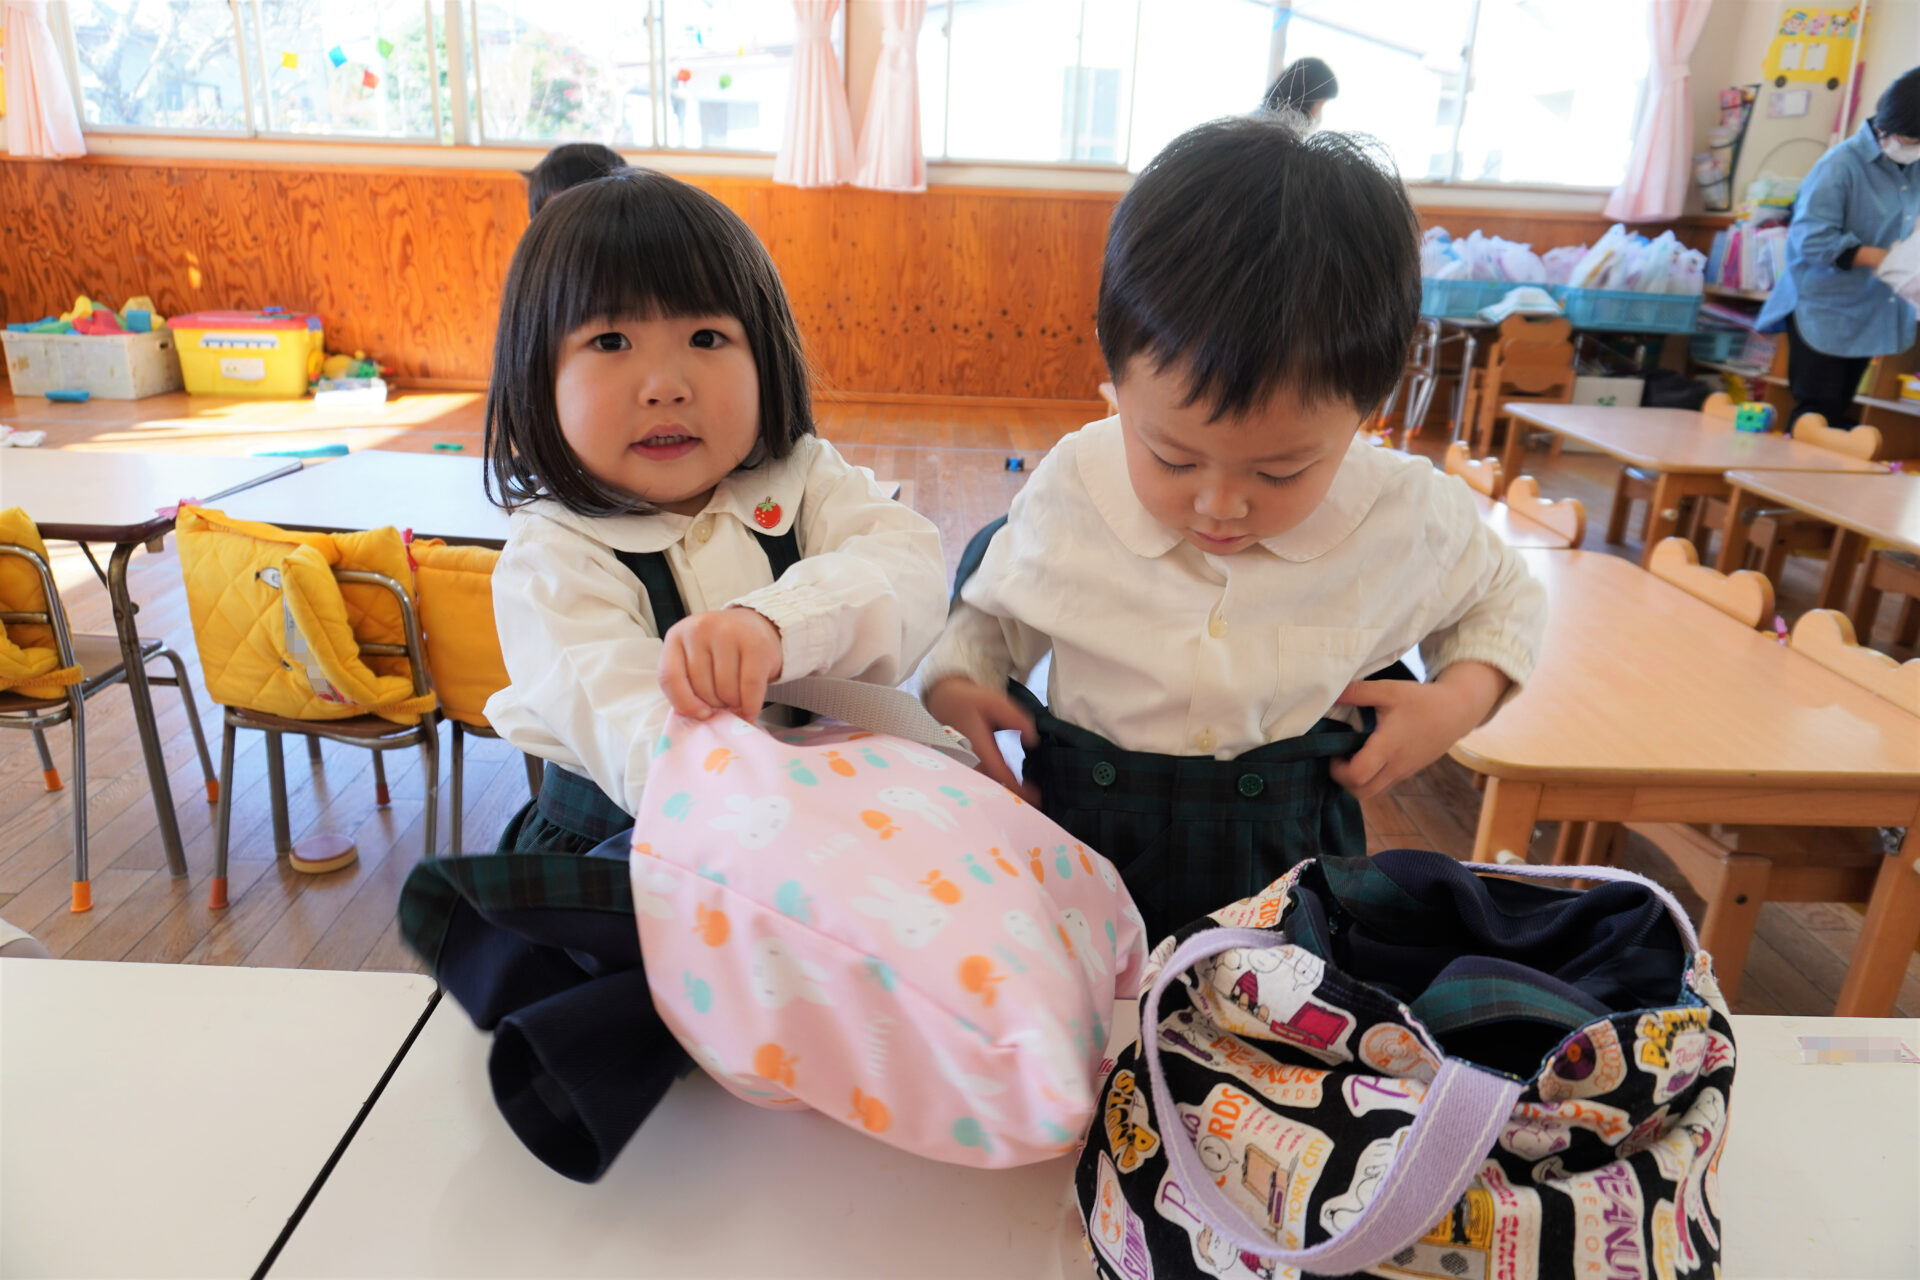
{"points": [[1457, 1125]]}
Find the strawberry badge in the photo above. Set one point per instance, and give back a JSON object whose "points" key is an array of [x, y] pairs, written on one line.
{"points": [[767, 514]]}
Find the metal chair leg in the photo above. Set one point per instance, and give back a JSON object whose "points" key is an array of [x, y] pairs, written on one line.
{"points": [[48, 773], [454, 774], [534, 774], [380, 796], [430, 751], [193, 722], [277, 788], [82, 885], [217, 894]]}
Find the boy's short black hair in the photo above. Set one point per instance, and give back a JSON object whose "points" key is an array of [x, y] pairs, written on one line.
{"points": [[568, 165], [635, 244], [1304, 82], [1260, 259]]}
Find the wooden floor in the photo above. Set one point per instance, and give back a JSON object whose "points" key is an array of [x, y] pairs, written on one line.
{"points": [[956, 460]]}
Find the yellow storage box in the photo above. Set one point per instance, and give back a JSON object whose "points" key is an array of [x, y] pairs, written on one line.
{"points": [[271, 353]]}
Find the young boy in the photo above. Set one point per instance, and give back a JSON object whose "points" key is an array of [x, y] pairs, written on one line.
{"points": [[1220, 569]]}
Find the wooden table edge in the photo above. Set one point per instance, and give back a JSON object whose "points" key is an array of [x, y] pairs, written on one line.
{"points": [[1518, 409], [1693, 778], [1761, 473]]}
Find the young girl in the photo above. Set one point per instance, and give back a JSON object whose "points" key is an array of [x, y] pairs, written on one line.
{"points": [[1218, 569], [679, 537]]}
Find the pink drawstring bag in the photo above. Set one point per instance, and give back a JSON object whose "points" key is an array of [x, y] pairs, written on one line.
{"points": [[852, 920]]}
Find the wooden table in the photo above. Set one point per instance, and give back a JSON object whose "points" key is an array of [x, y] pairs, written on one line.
{"points": [[435, 1184], [435, 495], [1884, 507], [126, 499], [1516, 530], [166, 1120], [1691, 452], [1651, 706]]}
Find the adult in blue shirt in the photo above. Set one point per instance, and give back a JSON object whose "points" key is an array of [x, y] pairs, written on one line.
{"points": [[1861, 198]]}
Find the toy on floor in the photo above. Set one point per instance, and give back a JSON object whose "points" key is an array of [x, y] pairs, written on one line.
{"points": [[68, 396], [11, 438]]}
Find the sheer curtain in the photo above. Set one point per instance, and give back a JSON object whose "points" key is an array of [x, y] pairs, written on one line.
{"points": [[891, 157], [817, 147], [41, 119], [1657, 171]]}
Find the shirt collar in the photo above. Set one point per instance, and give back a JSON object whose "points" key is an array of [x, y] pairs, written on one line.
{"points": [[1103, 469], [780, 483], [1867, 144]]}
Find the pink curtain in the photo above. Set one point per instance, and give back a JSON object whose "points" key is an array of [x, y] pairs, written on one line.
{"points": [[1661, 163], [817, 148], [41, 120], [891, 157]]}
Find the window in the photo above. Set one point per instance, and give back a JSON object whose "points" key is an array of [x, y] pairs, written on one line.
{"points": [[1018, 65], [1541, 91], [648, 74]]}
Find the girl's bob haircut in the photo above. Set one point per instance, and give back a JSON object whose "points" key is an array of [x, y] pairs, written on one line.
{"points": [[632, 245]]}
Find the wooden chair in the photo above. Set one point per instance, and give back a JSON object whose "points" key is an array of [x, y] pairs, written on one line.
{"points": [[1565, 516], [1745, 595], [370, 732], [1737, 869], [1481, 474], [1530, 360], [1774, 533], [102, 665], [1636, 485], [1894, 573]]}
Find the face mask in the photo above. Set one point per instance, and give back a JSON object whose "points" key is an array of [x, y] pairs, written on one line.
{"points": [[1900, 152]]}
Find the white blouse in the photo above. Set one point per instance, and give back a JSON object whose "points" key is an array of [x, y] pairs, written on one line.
{"points": [[1158, 646], [576, 629]]}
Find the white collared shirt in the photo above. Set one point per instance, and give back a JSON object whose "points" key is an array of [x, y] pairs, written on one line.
{"points": [[1158, 646], [576, 629]]}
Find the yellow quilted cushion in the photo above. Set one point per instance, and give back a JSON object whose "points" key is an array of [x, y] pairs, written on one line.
{"points": [[29, 658], [278, 634], [456, 612]]}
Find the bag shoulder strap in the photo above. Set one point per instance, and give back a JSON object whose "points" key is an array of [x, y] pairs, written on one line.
{"points": [[874, 707]]}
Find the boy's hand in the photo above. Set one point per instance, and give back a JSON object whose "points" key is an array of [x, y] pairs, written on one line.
{"points": [[978, 712], [1417, 723], [722, 660]]}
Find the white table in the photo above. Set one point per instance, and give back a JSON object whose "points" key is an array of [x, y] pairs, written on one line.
{"points": [[1820, 1178], [1821, 1171], [165, 1120], [435, 1184]]}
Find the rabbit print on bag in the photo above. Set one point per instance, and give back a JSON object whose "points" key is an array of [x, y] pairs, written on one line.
{"points": [[839, 920]]}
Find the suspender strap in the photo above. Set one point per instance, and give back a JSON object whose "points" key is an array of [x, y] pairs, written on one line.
{"points": [[663, 594]]}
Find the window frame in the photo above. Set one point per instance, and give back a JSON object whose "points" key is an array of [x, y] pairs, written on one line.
{"points": [[459, 112]]}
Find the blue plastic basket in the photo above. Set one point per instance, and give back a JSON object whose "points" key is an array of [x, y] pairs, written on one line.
{"points": [[1460, 299], [1623, 312], [1718, 346]]}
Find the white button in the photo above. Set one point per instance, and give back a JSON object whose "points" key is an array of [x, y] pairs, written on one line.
{"points": [[703, 529], [1217, 628], [1204, 740]]}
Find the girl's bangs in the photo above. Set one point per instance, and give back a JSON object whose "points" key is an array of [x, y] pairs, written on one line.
{"points": [[649, 258]]}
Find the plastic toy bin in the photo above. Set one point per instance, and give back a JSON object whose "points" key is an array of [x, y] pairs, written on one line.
{"points": [[1460, 299], [115, 366], [1621, 311], [248, 353]]}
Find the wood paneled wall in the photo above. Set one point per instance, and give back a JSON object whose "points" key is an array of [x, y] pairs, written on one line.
{"points": [[957, 292]]}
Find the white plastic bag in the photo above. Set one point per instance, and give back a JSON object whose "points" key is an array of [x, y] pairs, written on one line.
{"points": [[1901, 268]]}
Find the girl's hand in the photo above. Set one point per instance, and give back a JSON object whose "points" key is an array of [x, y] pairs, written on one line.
{"points": [[1417, 723], [722, 660], [978, 712], [1868, 256]]}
